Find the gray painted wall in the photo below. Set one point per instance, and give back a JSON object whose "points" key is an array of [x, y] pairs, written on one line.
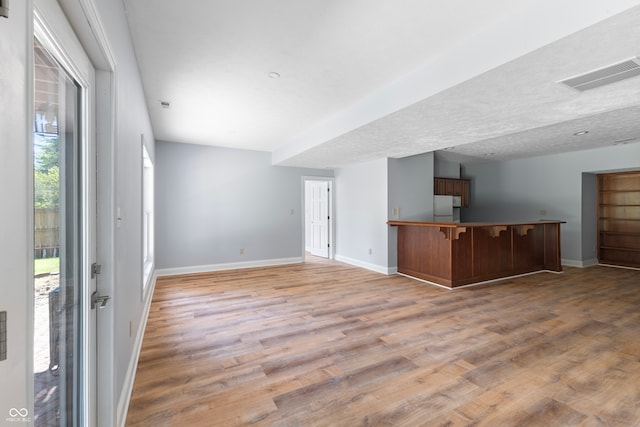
{"points": [[548, 187], [410, 190], [411, 187], [366, 196], [361, 214], [16, 216], [211, 202], [445, 168]]}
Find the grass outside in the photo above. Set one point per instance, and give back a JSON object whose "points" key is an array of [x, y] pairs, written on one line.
{"points": [[46, 265]]}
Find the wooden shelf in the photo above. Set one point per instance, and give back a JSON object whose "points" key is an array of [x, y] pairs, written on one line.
{"points": [[619, 219]]}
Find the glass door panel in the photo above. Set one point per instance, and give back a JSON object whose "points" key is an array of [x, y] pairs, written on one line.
{"points": [[58, 252]]}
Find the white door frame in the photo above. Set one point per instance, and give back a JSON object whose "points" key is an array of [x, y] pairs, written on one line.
{"points": [[85, 19], [332, 221]]}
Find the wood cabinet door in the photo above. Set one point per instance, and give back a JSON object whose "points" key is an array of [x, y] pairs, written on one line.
{"points": [[452, 187], [449, 187], [464, 193], [457, 187]]}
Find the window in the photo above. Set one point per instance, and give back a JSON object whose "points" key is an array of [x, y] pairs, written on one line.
{"points": [[147, 215]]}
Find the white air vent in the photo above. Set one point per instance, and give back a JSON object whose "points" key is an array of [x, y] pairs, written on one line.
{"points": [[604, 76]]}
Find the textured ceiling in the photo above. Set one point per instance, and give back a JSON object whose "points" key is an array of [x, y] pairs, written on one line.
{"points": [[347, 94]]}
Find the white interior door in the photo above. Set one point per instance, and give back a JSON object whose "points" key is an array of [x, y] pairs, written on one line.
{"points": [[318, 217]]}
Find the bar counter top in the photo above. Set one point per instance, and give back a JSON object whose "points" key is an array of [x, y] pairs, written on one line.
{"points": [[455, 254]]}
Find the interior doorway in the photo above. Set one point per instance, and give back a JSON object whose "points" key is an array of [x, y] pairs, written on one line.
{"points": [[318, 216]]}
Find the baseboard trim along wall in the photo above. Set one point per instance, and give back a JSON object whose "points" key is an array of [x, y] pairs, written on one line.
{"points": [[578, 263], [483, 282], [127, 389], [227, 266], [619, 266], [366, 265]]}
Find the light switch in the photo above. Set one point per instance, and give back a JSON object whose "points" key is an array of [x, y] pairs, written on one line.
{"points": [[3, 335]]}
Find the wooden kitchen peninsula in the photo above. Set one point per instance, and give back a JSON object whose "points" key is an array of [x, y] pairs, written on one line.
{"points": [[457, 254]]}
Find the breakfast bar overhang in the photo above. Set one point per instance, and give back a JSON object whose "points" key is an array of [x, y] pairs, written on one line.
{"points": [[458, 254]]}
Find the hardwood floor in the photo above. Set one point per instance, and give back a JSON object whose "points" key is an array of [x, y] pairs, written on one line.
{"points": [[327, 344]]}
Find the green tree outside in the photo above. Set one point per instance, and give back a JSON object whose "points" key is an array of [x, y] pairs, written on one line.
{"points": [[47, 175]]}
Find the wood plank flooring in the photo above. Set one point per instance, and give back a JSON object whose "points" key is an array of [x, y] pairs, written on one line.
{"points": [[326, 344]]}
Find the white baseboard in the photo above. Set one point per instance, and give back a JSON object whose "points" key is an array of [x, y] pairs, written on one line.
{"points": [[579, 263], [591, 263], [366, 265], [227, 266], [618, 266], [127, 389], [483, 282]]}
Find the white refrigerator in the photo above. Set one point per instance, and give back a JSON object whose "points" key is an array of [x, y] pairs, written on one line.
{"points": [[446, 208]]}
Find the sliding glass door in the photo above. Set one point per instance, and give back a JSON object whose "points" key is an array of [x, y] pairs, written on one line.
{"points": [[64, 324]]}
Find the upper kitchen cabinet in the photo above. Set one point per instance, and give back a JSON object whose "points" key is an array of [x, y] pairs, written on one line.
{"points": [[452, 187]]}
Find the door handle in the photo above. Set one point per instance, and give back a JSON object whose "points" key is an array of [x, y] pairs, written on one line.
{"points": [[99, 301]]}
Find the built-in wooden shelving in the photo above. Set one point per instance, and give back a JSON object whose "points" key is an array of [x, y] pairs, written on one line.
{"points": [[619, 219]]}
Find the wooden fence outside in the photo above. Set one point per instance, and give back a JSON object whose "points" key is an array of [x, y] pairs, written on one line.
{"points": [[47, 233]]}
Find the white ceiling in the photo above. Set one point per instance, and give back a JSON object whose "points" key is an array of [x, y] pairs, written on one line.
{"points": [[365, 79]]}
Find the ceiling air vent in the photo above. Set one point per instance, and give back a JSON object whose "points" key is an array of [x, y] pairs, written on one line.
{"points": [[604, 76]]}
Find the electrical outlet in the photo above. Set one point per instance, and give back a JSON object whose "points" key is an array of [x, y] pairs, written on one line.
{"points": [[292, 212], [241, 251], [543, 212], [370, 251]]}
